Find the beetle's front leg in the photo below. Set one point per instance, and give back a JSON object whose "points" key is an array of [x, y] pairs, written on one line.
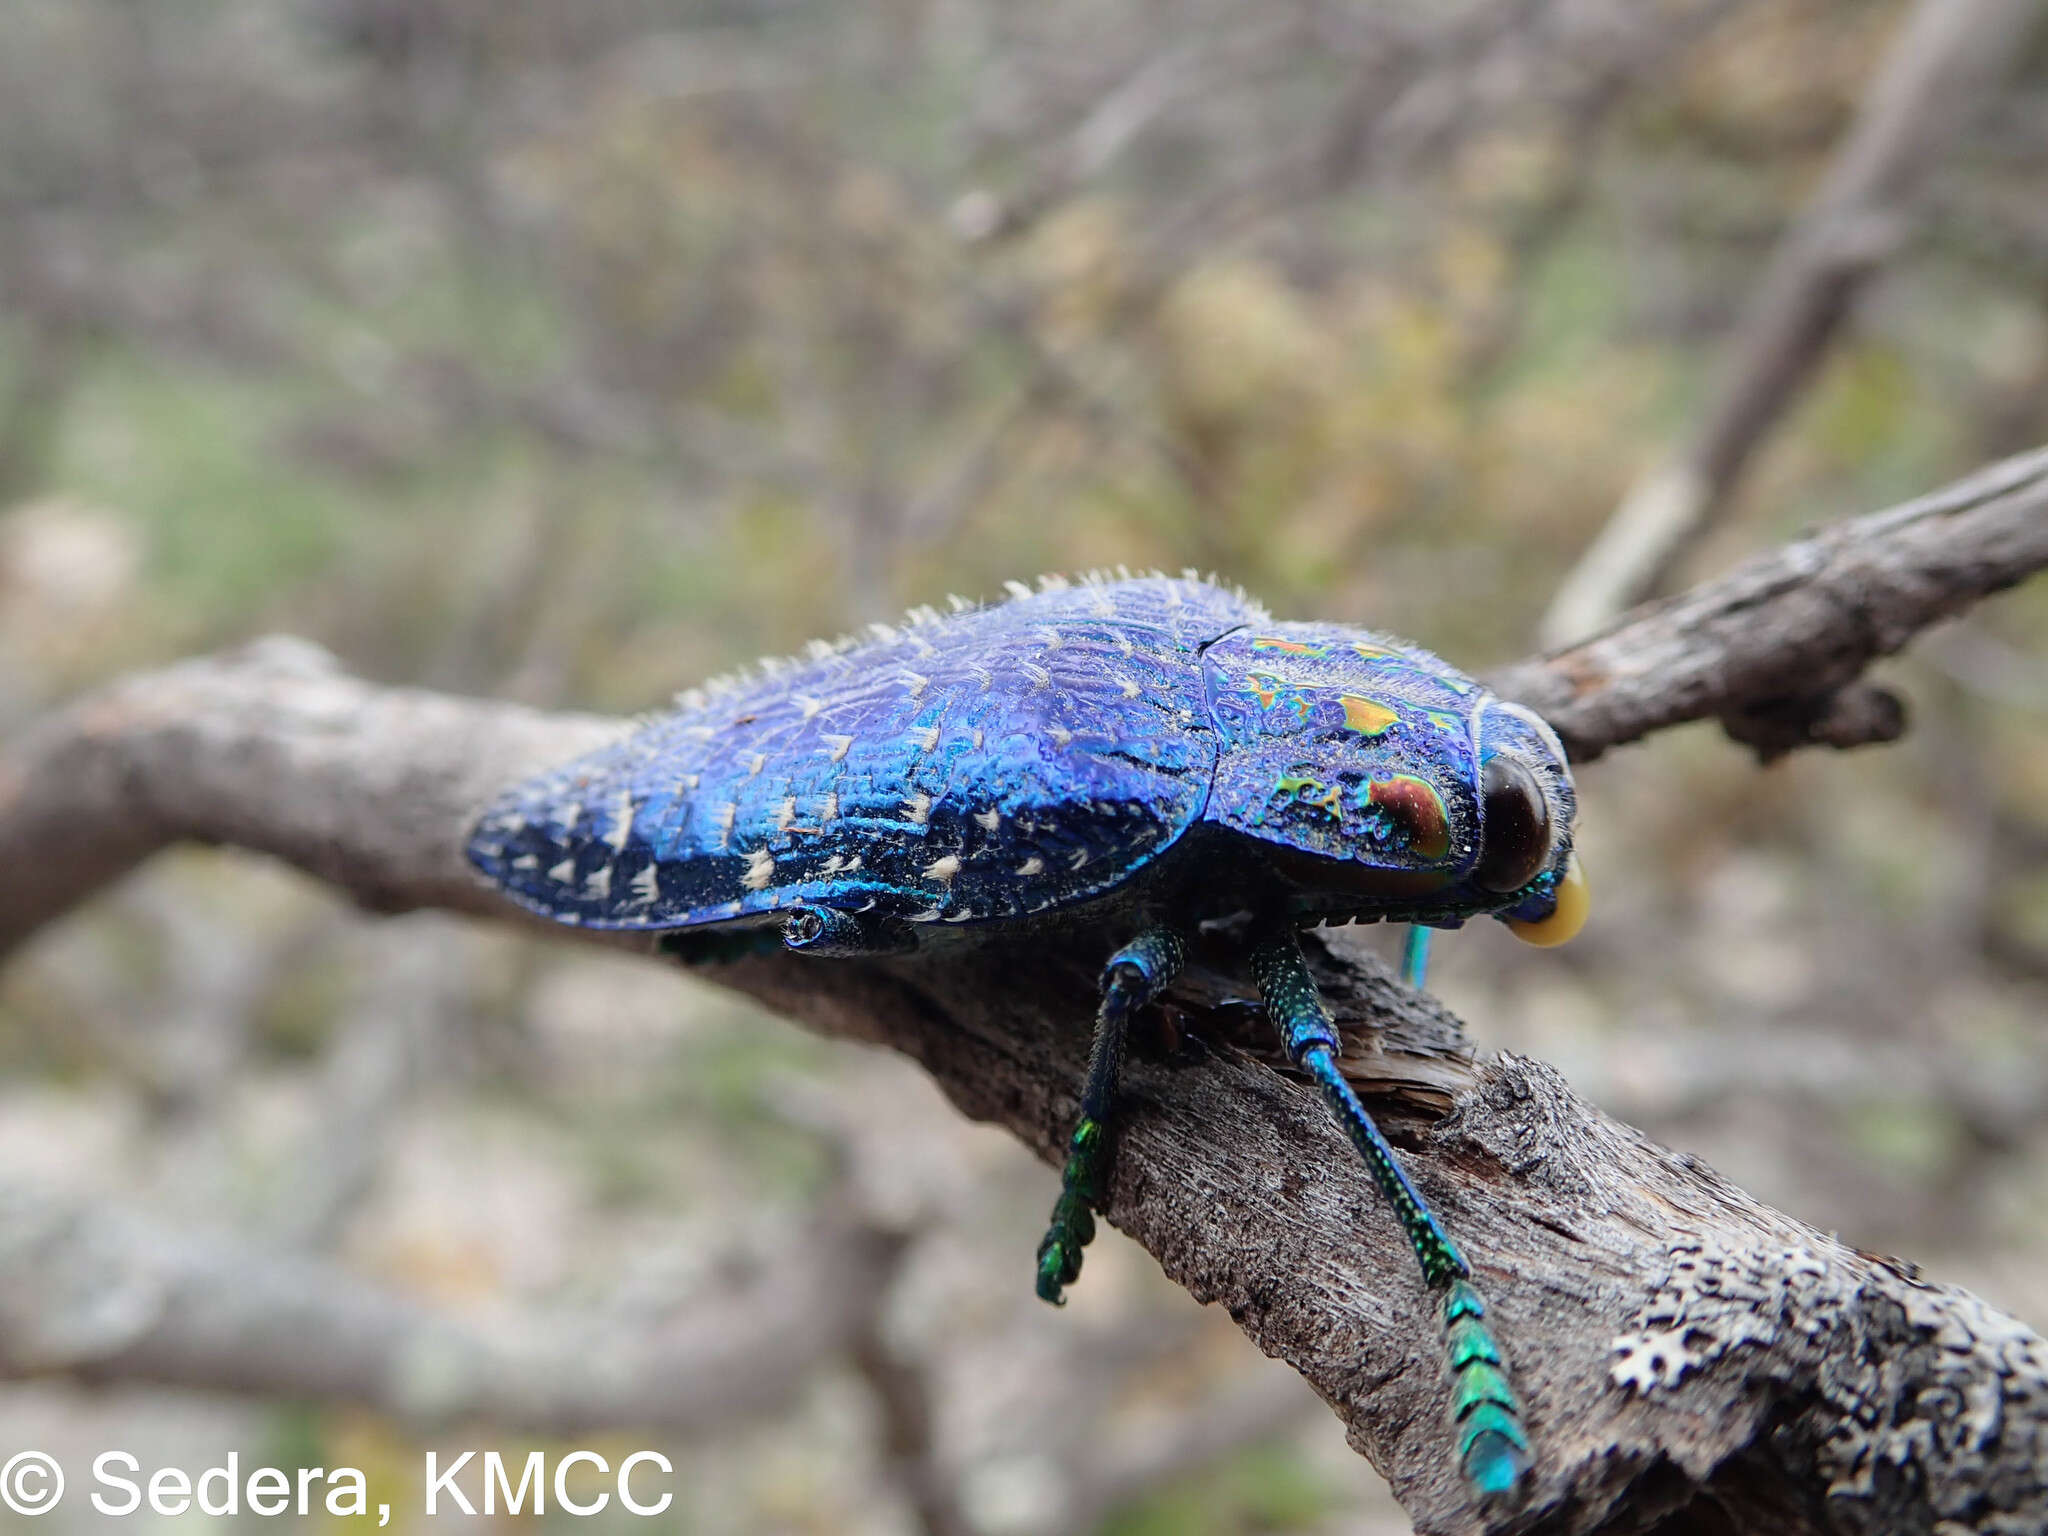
{"points": [[1135, 975]]}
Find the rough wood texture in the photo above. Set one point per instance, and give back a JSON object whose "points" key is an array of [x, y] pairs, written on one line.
{"points": [[1775, 649], [1692, 1361]]}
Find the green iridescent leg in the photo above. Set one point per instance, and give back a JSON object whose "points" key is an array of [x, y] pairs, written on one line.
{"points": [[1493, 1447], [1136, 974]]}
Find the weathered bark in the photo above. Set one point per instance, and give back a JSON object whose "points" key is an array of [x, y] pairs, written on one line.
{"points": [[1776, 649], [1692, 1361]]}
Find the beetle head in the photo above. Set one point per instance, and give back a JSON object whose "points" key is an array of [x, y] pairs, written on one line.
{"points": [[1380, 782]]}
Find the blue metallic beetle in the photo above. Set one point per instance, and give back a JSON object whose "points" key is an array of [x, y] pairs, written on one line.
{"points": [[1157, 747]]}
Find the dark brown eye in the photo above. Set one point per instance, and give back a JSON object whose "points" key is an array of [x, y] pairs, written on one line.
{"points": [[1514, 826]]}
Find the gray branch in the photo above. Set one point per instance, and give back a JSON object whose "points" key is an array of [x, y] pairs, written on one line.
{"points": [[1777, 648], [1942, 66], [1688, 1355], [107, 1296]]}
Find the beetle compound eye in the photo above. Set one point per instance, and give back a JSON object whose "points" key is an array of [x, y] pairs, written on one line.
{"points": [[1515, 826]]}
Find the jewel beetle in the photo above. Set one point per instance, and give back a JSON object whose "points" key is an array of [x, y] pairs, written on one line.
{"points": [[1157, 750]]}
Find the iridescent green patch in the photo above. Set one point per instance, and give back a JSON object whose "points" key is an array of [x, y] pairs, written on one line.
{"points": [[1270, 690], [1313, 793], [1291, 647], [1480, 1383]]}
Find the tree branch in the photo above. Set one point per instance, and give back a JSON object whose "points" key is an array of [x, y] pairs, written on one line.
{"points": [[1776, 649], [1938, 70], [109, 1296], [1691, 1359]]}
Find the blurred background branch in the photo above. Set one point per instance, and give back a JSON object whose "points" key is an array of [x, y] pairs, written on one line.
{"points": [[1944, 65]]}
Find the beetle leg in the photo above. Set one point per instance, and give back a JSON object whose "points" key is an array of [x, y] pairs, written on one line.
{"points": [[1136, 974], [1493, 1447], [1415, 956]]}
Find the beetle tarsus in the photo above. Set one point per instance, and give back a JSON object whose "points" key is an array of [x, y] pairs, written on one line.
{"points": [[1135, 975]]}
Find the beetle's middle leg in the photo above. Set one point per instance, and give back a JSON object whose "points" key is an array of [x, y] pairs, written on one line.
{"points": [[1135, 975]]}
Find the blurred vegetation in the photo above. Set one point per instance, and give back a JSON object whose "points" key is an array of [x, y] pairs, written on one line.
{"points": [[572, 351]]}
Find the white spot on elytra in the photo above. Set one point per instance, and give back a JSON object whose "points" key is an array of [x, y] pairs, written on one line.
{"points": [[1077, 858], [526, 861], [723, 820], [990, 819], [785, 814], [563, 872], [981, 675], [597, 885], [807, 704], [646, 886], [1032, 866], [977, 738], [1049, 637], [836, 746], [1060, 735], [917, 808], [1040, 678], [1016, 589], [925, 739], [760, 870], [829, 808], [928, 915], [957, 603], [915, 682], [622, 822], [882, 632], [756, 763], [1130, 688], [943, 870]]}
